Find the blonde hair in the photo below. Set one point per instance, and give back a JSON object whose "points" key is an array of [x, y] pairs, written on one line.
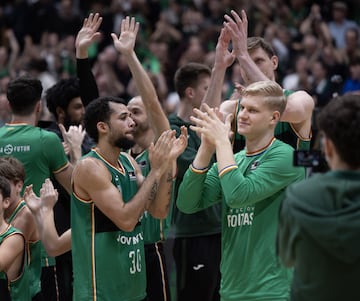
{"points": [[270, 91]]}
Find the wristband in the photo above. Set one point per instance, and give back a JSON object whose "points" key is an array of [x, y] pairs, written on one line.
{"points": [[227, 168], [198, 170]]}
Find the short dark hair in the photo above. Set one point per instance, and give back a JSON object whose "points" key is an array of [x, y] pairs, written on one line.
{"points": [[340, 121], [189, 75], [12, 169], [5, 188], [99, 110], [23, 93], [258, 42], [61, 94]]}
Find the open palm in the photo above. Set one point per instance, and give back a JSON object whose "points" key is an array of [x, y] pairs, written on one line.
{"points": [[126, 41]]}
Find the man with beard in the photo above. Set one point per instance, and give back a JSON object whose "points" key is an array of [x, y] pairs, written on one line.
{"points": [[109, 198], [149, 122], [64, 102]]}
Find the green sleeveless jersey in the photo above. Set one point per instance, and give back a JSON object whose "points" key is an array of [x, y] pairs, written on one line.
{"points": [[284, 131], [108, 263], [154, 229], [33, 249], [250, 196], [18, 288]]}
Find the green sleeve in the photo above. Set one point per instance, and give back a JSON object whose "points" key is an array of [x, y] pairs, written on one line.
{"points": [[274, 173], [199, 191], [54, 152]]}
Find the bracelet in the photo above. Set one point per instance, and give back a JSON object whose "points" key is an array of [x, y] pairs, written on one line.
{"points": [[227, 168], [198, 170]]}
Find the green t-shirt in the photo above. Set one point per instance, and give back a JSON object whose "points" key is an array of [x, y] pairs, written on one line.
{"points": [[19, 288], [108, 263], [40, 151], [250, 197]]}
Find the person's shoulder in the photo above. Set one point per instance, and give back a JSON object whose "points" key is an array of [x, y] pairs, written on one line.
{"points": [[228, 106], [89, 165]]}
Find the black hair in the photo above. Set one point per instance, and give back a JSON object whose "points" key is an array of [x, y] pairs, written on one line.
{"points": [[99, 110], [23, 93]]}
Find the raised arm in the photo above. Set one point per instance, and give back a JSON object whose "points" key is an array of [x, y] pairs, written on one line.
{"points": [[238, 29], [125, 44], [42, 209], [87, 35], [223, 59]]}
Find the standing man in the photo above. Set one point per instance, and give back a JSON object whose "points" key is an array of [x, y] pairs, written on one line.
{"points": [[258, 62], [197, 245], [109, 197], [149, 123], [22, 139], [250, 187], [319, 220]]}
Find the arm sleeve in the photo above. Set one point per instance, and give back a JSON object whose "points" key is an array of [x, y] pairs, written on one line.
{"points": [[199, 191], [88, 87], [274, 172], [54, 152]]}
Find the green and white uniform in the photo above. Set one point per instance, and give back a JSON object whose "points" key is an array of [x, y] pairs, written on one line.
{"points": [[251, 193], [19, 288], [108, 263], [33, 256]]}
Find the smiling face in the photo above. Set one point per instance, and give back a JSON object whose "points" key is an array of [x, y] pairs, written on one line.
{"points": [[138, 114]]}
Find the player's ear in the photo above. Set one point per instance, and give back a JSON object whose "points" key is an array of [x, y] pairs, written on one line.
{"points": [[275, 61], [102, 127]]}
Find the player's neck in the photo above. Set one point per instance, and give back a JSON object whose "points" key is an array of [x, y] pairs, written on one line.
{"points": [[110, 153], [30, 119], [185, 111], [3, 225], [143, 141], [254, 144], [10, 210]]}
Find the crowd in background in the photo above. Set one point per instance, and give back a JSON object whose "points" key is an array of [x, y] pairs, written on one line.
{"points": [[317, 42]]}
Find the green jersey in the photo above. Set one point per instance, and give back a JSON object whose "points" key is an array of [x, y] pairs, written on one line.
{"points": [[40, 151], [284, 131], [108, 263], [19, 288], [33, 256], [204, 222], [154, 229], [251, 194]]}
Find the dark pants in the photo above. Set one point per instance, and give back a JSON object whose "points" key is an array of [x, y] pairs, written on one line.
{"points": [[49, 285], [197, 262], [157, 286], [64, 276]]}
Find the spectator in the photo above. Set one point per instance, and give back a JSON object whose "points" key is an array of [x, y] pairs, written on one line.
{"points": [[318, 230]]}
